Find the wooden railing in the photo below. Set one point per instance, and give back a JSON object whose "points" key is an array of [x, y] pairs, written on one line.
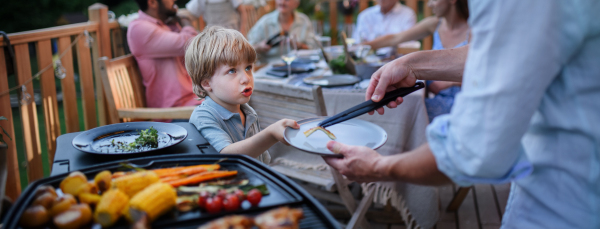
{"points": [[86, 55]]}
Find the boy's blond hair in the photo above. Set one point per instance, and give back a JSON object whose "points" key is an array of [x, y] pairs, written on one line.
{"points": [[212, 47]]}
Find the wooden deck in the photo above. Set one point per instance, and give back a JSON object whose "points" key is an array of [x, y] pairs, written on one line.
{"points": [[482, 208]]}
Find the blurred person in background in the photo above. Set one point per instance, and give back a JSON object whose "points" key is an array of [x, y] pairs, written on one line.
{"points": [[450, 29], [157, 40], [387, 17], [284, 20], [224, 13]]}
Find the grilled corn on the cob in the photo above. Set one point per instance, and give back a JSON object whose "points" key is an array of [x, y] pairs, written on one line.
{"points": [[110, 207], [155, 200], [135, 182]]}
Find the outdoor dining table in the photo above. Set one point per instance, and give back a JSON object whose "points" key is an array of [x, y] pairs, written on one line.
{"points": [[68, 158], [405, 126]]}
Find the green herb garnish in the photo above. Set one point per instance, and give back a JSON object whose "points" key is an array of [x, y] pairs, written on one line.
{"points": [[148, 137]]}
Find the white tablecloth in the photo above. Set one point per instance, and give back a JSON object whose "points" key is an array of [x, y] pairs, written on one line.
{"points": [[405, 127]]}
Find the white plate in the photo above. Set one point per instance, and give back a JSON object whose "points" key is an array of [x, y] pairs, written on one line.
{"points": [[332, 80], [351, 132]]}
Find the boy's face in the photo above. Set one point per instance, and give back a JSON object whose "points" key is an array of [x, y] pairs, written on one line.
{"points": [[230, 86]]}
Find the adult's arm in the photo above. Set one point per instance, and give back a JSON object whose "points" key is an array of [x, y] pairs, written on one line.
{"points": [[421, 30], [147, 40], [446, 65]]}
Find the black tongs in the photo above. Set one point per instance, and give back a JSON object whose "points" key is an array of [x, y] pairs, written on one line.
{"points": [[369, 105]]}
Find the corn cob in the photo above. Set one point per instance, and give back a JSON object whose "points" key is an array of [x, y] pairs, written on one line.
{"points": [[155, 200], [135, 182], [110, 207]]}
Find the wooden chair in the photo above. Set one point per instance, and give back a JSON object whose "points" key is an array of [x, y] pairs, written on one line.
{"points": [[275, 101], [125, 93]]}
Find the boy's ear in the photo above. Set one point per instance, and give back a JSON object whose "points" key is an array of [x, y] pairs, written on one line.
{"points": [[206, 85]]}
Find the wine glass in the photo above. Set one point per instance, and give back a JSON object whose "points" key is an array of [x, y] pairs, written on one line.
{"points": [[288, 54]]}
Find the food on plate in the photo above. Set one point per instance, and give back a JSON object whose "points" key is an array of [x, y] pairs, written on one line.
{"points": [[231, 202], [111, 207], [45, 200], [214, 204], [233, 222], [61, 204], [34, 216], [155, 200], [133, 183], [89, 198], [280, 218], [254, 197], [283, 217], [147, 138], [200, 177], [185, 171], [312, 130], [89, 187], [72, 183], [45, 189], [77, 216], [103, 180]]}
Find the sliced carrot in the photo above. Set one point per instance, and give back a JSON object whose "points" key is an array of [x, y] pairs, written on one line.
{"points": [[171, 178], [201, 177], [187, 170]]}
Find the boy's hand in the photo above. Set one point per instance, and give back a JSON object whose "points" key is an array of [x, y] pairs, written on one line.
{"points": [[277, 129]]}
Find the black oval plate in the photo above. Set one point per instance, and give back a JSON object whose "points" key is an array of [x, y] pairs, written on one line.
{"points": [[100, 139]]}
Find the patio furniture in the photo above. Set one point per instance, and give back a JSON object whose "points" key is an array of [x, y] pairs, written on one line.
{"points": [[272, 102], [405, 126], [124, 91]]}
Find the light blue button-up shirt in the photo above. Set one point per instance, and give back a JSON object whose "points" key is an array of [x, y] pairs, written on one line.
{"points": [[529, 111], [221, 127]]}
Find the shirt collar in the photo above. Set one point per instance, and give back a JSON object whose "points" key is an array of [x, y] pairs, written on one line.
{"points": [[145, 17], [397, 8], [275, 18], [226, 114]]}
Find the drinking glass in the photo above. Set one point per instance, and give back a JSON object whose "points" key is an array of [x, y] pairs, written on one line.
{"points": [[288, 54]]}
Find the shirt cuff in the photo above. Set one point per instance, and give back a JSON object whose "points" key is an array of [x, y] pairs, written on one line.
{"points": [[449, 160]]}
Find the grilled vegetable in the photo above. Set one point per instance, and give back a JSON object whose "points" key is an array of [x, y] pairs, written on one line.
{"points": [[45, 189], [34, 216], [89, 187], [61, 204], [103, 180], [76, 217], [44, 200], [72, 183], [312, 130], [155, 200], [187, 170], [110, 207], [194, 179], [89, 198], [135, 182]]}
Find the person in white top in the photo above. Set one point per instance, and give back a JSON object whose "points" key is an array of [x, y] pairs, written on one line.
{"points": [[387, 17], [225, 13]]}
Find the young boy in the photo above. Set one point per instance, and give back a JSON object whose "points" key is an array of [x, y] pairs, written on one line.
{"points": [[219, 61]]}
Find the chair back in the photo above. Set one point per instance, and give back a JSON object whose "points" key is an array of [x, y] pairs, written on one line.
{"points": [[275, 101], [122, 85]]}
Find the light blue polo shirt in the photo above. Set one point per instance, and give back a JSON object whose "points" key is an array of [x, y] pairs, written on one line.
{"points": [[221, 127]]}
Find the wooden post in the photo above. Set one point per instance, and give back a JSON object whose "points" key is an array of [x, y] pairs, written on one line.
{"points": [[31, 136], [68, 86], [362, 5], [86, 80], [47, 81], [333, 21], [99, 13], [13, 183], [428, 41]]}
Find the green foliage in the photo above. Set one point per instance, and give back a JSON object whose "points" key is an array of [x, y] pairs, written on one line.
{"points": [[338, 65]]}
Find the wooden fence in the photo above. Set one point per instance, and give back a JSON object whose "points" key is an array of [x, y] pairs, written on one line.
{"points": [[107, 41]]}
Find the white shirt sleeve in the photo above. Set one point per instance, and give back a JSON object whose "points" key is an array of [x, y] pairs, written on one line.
{"points": [[510, 65], [196, 7], [236, 3]]}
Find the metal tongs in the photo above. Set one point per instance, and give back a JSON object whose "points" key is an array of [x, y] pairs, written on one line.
{"points": [[369, 105]]}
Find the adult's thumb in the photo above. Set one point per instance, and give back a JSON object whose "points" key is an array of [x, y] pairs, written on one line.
{"points": [[336, 147]]}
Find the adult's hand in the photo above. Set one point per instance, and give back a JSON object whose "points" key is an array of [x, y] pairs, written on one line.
{"points": [[359, 163], [262, 47], [391, 76]]}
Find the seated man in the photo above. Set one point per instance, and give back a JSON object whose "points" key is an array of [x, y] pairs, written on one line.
{"points": [[225, 13], [157, 41], [387, 17]]}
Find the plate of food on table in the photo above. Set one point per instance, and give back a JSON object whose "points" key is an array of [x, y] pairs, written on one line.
{"points": [[174, 191]]}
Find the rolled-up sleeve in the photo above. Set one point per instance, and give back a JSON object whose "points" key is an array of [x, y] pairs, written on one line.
{"points": [[510, 65]]}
